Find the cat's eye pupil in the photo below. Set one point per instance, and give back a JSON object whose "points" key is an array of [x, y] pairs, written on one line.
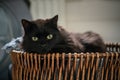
{"points": [[35, 38], [50, 36]]}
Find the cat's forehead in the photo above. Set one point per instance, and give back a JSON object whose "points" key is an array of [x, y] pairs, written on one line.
{"points": [[42, 25], [41, 22]]}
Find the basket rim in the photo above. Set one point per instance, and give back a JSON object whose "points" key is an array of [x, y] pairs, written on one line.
{"points": [[72, 55]]}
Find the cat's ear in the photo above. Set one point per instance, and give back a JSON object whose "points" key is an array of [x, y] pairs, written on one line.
{"points": [[26, 25], [55, 19]]}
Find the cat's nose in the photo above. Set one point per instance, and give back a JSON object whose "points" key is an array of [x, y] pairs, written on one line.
{"points": [[43, 45]]}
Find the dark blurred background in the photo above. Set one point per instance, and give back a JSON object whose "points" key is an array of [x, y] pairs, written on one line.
{"points": [[11, 13]]}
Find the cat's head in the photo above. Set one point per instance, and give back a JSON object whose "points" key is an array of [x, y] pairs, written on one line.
{"points": [[40, 36]]}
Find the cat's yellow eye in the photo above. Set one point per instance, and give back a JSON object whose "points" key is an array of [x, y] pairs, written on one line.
{"points": [[50, 36], [35, 38]]}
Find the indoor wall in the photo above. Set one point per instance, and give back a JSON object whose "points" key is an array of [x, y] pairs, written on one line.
{"points": [[101, 16]]}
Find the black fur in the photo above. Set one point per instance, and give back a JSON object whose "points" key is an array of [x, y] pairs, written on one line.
{"points": [[62, 40]]}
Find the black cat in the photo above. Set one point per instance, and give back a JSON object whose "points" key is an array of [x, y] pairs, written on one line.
{"points": [[45, 36]]}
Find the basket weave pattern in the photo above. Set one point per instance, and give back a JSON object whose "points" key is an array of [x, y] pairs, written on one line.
{"points": [[78, 66]]}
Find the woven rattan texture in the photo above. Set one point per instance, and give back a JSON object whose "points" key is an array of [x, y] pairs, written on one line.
{"points": [[77, 66]]}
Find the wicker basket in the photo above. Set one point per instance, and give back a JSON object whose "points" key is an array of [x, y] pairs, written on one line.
{"points": [[78, 66]]}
